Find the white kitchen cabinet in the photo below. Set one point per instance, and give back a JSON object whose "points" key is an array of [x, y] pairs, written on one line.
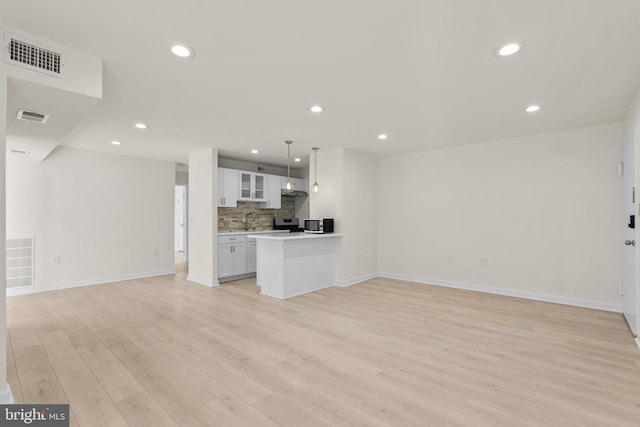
{"points": [[237, 254], [225, 260], [252, 258], [273, 193], [240, 259], [252, 186], [227, 188], [298, 184], [232, 255]]}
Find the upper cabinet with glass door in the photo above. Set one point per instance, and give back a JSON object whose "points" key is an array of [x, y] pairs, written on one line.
{"points": [[252, 187]]}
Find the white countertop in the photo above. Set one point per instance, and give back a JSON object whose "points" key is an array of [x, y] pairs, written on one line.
{"points": [[293, 236], [231, 233]]}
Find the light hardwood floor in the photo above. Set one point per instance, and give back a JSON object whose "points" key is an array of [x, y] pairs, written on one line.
{"points": [[165, 352]]}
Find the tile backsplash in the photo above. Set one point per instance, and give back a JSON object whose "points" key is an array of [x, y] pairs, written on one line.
{"points": [[232, 219]]}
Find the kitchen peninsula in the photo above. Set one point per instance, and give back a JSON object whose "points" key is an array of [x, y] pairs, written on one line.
{"points": [[294, 264]]}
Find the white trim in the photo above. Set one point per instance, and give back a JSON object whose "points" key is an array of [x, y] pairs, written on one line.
{"points": [[11, 292], [238, 277], [360, 279], [6, 397], [296, 295], [616, 308], [203, 282], [637, 340]]}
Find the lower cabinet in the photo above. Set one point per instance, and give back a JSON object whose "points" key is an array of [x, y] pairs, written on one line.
{"points": [[232, 256]]}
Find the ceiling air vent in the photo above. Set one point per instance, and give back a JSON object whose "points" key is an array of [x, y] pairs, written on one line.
{"points": [[19, 152], [32, 116], [29, 55]]}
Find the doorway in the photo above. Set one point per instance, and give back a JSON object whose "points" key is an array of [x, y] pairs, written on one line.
{"points": [[181, 244]]}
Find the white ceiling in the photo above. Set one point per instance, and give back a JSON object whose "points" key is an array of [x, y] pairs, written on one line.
{"points": [[422, 71], [65, 109]]}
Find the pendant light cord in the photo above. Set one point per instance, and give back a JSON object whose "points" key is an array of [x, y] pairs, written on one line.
{"points": [[315, 170], [315, 162], [288, 159], [289, 185]]}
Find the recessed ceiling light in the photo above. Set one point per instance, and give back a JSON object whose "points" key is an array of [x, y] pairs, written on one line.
{"points": [[532, 108], [181, 50], [141, 125], [316, 109], [297, 159], [383, 136], [509, 49], [115, 142], [254, 151]]}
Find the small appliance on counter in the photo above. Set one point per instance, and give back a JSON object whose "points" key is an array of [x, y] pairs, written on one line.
{"points": [[291, 224], [322, 225]]}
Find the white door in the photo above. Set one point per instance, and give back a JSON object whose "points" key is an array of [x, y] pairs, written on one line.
{"points": [[180, 218], [630, 302]]}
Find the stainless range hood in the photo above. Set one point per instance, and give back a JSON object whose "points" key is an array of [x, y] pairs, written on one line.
{"points": [[295, 193]]}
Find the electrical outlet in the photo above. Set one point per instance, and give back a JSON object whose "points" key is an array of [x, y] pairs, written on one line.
{"points": [[484, 260], [156, 252], [55, 260]]}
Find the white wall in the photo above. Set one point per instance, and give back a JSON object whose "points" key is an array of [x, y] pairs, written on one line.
{"points": [[102, 214], [5, 391], [360, 217], [203, 217], [543, 209], [348, 194], [329, 201]]}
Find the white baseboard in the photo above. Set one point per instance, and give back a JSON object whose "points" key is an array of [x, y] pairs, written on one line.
{"points": [[238, 277], [6, 397], [616, 308], [76, 284], [203, 282], [297, 294], [345, 283]]}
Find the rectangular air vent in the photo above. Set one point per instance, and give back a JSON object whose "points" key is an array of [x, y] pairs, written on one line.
{"points": [[20, 258], [29, 55], [32, 116], [19, 152]]}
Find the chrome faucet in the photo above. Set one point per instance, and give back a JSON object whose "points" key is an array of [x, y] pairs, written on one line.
{"points": [[246, 220]]}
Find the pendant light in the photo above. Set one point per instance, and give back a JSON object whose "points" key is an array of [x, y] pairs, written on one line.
{"points": [[288, 186], [316, 186]]}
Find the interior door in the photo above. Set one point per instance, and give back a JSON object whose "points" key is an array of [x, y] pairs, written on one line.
{"points": [[630, 301], [180, 217]]}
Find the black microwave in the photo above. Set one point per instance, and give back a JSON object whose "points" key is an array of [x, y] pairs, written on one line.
{"points": [[322, 225]]}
